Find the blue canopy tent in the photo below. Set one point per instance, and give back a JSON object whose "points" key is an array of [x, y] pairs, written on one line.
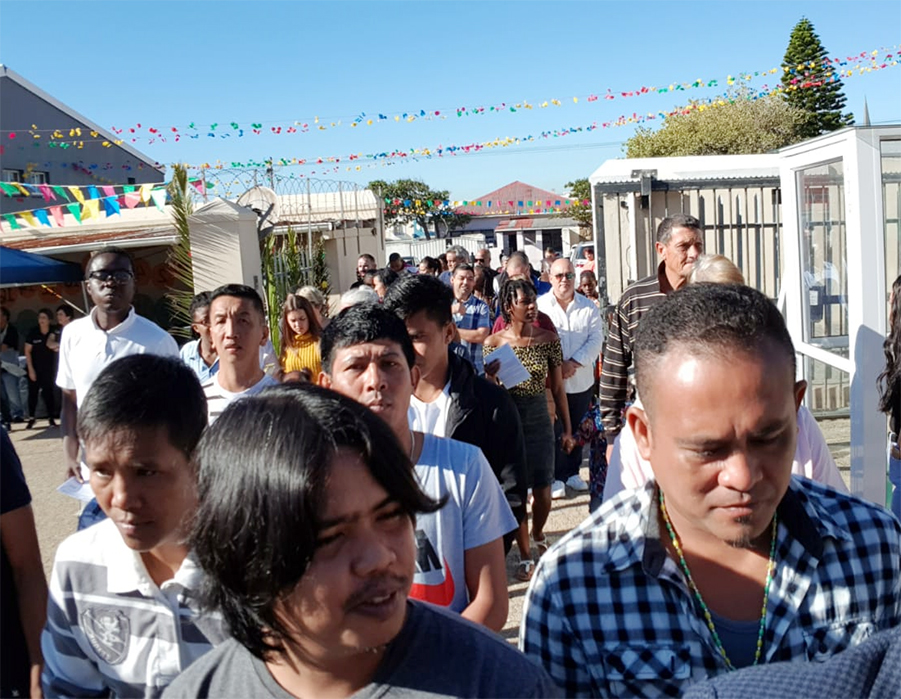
{"points": [[19, 268]]}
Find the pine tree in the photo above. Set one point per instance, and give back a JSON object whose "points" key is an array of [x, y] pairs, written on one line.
{"points": [[812, 84]]}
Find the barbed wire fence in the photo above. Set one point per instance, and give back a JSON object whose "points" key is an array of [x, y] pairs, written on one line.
{"points": [[292, 251]]}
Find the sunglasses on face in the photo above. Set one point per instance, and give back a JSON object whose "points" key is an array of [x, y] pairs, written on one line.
{"points": [[119, 276], [567, 275]]}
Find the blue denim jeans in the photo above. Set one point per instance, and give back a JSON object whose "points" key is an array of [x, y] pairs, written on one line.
{"points": [[12, 397]]}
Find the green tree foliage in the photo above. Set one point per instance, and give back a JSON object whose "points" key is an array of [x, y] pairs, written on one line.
{"points": [[738, 124], [812, 84], [287, 265], [579, 190], [413, 200]]}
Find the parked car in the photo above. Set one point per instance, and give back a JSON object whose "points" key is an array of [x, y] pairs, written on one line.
{"points": [[577, 256]]}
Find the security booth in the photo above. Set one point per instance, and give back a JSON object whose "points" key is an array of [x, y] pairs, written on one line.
{"points": [[841, 207]]}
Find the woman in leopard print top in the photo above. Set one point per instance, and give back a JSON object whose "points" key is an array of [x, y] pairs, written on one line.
{"points": [[540, 353]]}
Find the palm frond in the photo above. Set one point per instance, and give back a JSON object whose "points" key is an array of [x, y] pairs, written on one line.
{"points": [[179, 260]]}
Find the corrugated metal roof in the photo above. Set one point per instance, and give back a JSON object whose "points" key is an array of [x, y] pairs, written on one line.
{"points": [[694, 167], [121, 237]]}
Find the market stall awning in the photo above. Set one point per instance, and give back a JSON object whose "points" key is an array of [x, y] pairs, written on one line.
{"points": [[18, 268]]}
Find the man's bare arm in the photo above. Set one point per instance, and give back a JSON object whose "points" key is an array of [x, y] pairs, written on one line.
{"points": [[69, 416], [486, 581], [475, 337], [20, 543]]}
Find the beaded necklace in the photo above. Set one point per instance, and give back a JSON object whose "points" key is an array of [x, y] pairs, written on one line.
{"points": [[771, 566]]}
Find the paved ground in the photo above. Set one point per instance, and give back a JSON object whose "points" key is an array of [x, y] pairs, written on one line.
{"points": [[40, 450]]}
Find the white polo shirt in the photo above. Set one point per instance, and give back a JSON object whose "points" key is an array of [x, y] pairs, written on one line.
{"points": [[86, 350], [581, 336]]}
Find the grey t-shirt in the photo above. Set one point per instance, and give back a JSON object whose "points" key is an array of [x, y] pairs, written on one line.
{"points": [[436, 654]]}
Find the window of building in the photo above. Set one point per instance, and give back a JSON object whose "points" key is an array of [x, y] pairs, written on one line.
{"points": [[12, 175], [38, 178]]}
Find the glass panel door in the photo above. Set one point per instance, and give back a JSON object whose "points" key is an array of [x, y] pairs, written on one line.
{"points": [[821, 199]]}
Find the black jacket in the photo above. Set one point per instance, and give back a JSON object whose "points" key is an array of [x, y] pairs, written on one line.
{"points": [[483, 414]]}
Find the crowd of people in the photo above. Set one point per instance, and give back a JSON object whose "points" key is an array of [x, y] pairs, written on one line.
{"points": [[329, 512]]}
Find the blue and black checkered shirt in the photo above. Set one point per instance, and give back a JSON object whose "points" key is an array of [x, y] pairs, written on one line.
{"points": [[609, 613]]}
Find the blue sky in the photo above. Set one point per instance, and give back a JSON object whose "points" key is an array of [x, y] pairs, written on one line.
{"points": [[173, 63]]}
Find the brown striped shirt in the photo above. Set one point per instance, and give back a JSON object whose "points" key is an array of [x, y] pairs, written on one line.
{"points": [[636, 300]]}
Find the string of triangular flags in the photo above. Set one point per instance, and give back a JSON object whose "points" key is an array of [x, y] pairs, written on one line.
{"points": [[360, 160], [75, 137], [83, 203]]}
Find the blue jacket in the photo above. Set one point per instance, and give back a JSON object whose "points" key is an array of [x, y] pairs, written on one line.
{"points": [[871, 669]]}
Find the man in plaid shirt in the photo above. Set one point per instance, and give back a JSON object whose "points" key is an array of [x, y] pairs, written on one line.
{"points": [[725, 560]]}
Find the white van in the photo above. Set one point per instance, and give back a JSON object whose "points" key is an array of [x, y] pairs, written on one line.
{"points": [[577, 257]]}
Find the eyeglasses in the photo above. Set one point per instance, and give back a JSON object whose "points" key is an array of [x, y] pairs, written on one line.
{"points": [[119, 276], [567, 275]]}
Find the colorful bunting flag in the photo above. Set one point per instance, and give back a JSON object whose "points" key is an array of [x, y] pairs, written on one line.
{"points": [[58, 215], [159, 198], [75, 210], [110, 205], [76, 192], [41, 215]]}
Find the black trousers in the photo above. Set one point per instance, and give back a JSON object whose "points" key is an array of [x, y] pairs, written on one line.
{"points": [[46, 386], [567, 465]]}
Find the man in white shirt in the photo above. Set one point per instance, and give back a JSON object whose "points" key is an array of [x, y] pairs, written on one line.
{"points": [[112, 330], [578, 324], [238, 329], [368, 355]]}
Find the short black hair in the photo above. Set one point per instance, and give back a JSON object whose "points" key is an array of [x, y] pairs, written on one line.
{"points": [[420, 292], [393, 256], [67, 309], [200, 300], [462, 267], [5, 311], [708, 319], [509, 292], [145, 390], [111, 250], [665, 229], [47, 312], [365, 322], [256, 528], [240, 291]]}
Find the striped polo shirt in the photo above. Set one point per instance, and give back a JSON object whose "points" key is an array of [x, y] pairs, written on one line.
{"points": [[218, 399], [110, 629], [636, 300]]}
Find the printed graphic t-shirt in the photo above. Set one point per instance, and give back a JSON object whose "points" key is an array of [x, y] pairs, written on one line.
{"points": [[476, 513]]}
